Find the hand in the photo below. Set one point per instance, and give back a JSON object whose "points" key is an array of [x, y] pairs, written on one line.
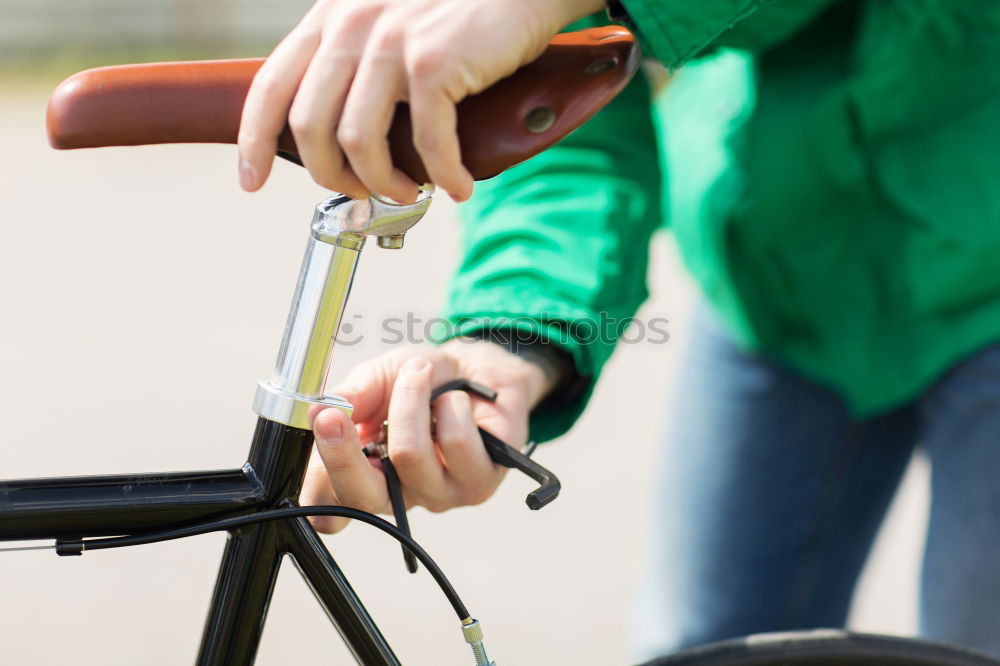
{"points": [[338, 75], [438, 469]]}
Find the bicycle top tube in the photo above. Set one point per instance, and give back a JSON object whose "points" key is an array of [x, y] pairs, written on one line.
{"points": [[201, 102]]}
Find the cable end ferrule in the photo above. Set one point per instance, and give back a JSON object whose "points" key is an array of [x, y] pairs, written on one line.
{"points": [[69, 547], [473, 633]]}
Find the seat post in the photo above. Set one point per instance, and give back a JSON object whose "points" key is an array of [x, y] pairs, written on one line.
{"points": [[339, 229]]}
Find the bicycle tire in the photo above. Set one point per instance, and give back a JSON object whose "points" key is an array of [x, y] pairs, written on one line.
{"points": [[825, 648]]}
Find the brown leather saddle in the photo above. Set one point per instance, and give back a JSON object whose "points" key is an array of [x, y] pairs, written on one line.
{"points": [[201, 102]]}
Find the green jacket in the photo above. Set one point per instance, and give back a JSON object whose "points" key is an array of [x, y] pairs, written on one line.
{"points": [[834, 187]]}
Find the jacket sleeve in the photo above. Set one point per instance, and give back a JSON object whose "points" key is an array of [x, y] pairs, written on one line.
{"points": [[556, 248], [675, 31]]}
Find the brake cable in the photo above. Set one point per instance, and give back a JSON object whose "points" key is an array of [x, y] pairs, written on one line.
{"points": [[79, 546]]}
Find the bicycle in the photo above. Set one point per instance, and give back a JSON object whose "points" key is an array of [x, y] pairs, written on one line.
{"points": [[91, 513], [257, 503]]}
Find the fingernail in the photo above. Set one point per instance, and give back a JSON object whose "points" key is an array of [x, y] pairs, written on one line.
{"points": [[416, 364], [247, 179], [332, 431]]}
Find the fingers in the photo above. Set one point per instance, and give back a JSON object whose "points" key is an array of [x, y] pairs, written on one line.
{"points": [[410, 446], [316, 111], [364, 127], [435, 137], [469, 466], [367, 388], [439, 470], [353, 480], [346, 68], [267, 104]]}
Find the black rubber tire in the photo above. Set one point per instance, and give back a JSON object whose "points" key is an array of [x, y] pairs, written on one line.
{"points": [[825, 648]]}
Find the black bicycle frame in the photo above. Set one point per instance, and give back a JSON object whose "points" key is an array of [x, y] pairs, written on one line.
{"points": [[75, 508], [80, 507]]}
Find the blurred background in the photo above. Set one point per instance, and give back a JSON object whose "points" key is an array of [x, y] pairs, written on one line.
{"points": [[53, 30], [143, 294]]}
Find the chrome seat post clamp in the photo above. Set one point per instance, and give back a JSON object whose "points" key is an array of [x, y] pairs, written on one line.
{"points": [[339, 229]]}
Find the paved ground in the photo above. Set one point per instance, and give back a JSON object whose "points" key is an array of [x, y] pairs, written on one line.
{"points": [[143, 297]]}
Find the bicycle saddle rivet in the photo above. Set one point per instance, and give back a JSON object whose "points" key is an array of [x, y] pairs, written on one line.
{"points": [[539, 119], [599, 66]]}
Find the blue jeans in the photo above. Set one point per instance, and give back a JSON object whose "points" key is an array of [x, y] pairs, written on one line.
{"points": [[772, 495]]}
